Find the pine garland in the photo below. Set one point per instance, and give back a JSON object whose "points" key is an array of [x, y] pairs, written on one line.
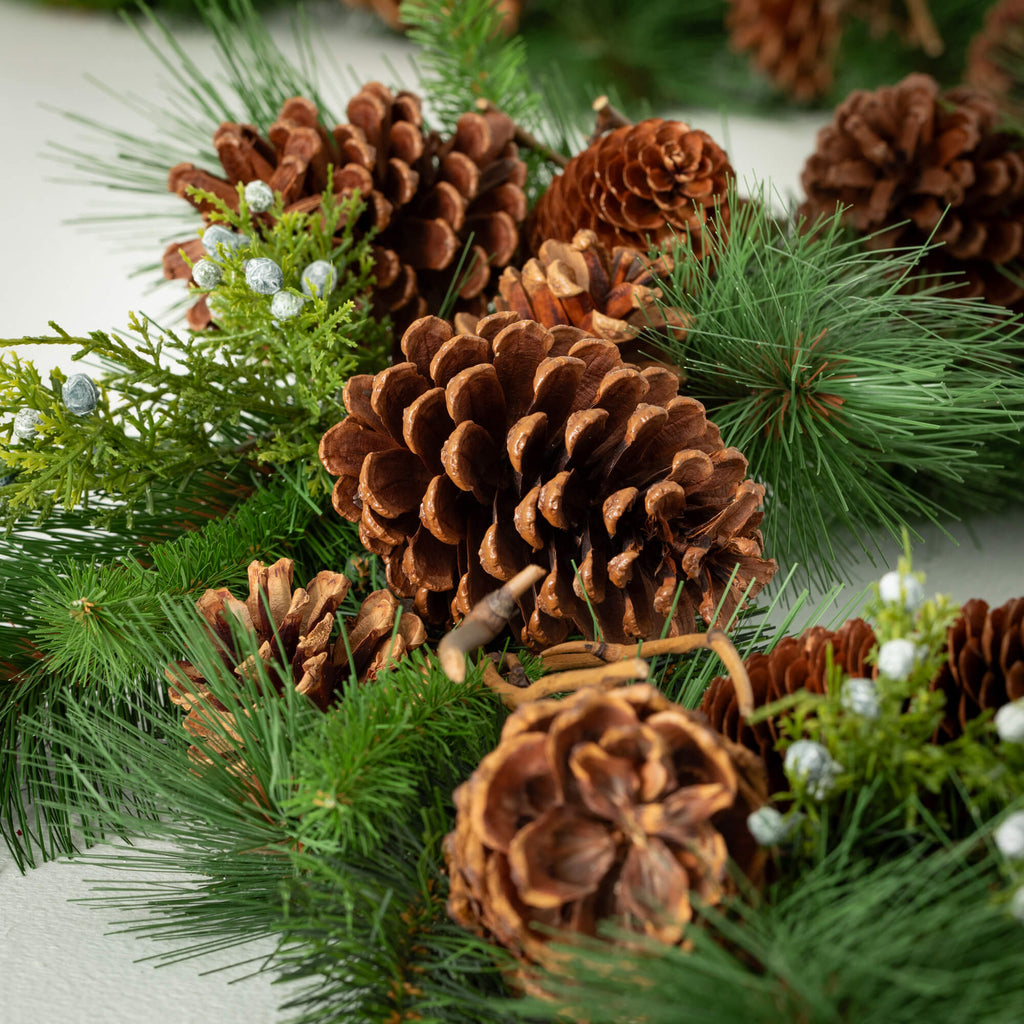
{"points": [[849, 386]]}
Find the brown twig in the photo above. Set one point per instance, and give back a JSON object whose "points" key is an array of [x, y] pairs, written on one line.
{"points": [[606, 118], [485, 621], [586, 654], [527, 139], [602, 676]]}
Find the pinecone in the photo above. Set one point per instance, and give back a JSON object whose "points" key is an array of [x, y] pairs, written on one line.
{"points": [[985, 663], [388, 12], [424, 196], [897, 157], [998, 47], [607, 805], [793, 42], [795, 663], [292, 628], [487, 452], [609, 295], [984, 670], [637, 186]]}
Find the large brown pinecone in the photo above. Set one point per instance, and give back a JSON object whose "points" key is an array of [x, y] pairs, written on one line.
{"points": [[487, 452], [795, 663], [389, 12], [897, 157], [984, 662], [425, 196], [998, 47], [793, 42], [637, 186], [614, 805], [292, 628], [610, 295]]}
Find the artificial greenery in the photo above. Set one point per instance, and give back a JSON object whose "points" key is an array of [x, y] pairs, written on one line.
{"points": [[850, 387], [865, 399], [257, 389], [916, 937], [889, 749]]}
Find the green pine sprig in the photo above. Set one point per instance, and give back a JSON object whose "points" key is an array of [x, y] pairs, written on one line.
{"points": [[911, 938], [863, 399]]}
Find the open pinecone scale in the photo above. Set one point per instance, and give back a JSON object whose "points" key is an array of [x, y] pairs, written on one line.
{"points": [[483, 453]]}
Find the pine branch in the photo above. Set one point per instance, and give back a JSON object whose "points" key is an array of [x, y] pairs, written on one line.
{"points": [[466, 57], [809, 947], [846, 383]]}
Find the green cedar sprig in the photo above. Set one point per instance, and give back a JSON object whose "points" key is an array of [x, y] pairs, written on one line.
{"points": [[257, 390], [862, 405], [889, 748]]}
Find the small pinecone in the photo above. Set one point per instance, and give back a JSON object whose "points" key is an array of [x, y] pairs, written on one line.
{"points": [[793, 42], [613, 805], [609, 295], [292, 628], [636, 186], [795, 663], [998, 47], [517, 444], [388, 12], [985, 663], [897, 157], [425, 196]]}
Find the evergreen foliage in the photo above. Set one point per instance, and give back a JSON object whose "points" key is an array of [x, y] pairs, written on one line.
{"points": [[851, 386], [864, 398], [915, 937], [256, 390]]}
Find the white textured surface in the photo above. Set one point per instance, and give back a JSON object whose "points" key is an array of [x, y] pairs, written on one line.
{"points": [[56, 961]]}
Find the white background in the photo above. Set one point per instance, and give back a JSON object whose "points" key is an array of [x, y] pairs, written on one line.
{"points": [[57, 962]]}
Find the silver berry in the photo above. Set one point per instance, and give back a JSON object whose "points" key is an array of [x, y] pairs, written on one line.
{"points": [[769, 827], [860, 696], [80, 394], [901, 588], [810, 762], [26, 421], [207, 274], [284, 305], [259, 196], [1009, 722], [216, 237], [264, 276], [896, 658], [319, 278], [1009, 837]]}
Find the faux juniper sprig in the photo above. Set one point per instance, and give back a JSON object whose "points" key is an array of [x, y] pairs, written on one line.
{"points": [[293, 326]]}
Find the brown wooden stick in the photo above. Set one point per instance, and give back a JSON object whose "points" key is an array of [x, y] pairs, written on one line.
{"points": [[606, 118], [484, 622], [527, 139], [601, 676], [584, 654]]}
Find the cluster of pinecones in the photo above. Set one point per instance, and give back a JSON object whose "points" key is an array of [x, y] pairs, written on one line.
{"points": [[539, 435]]}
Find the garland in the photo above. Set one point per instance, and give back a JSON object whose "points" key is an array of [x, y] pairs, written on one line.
{"points": [[395, 591]]}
